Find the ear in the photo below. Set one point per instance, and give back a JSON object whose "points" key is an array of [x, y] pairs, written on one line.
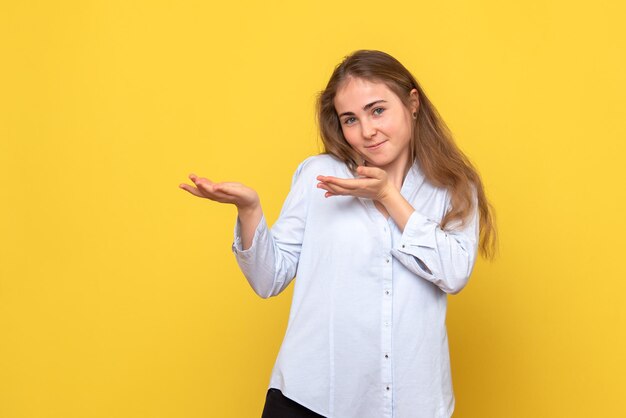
{"points": [[414, 100]]}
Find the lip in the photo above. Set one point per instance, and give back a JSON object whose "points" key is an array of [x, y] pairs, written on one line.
{"points": [[376, 146]]}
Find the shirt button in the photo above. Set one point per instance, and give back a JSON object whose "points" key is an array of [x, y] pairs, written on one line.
{"points": [[386, 355], [386, 292], [387, 388], [403, 245], [387, 260]]}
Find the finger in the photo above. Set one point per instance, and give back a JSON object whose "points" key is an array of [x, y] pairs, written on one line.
{"points": [[191, 190], [350, 184], [230, 185], [199, 180], [206, 187], [326, 188], [373, 172], [225, 189], [322, 186], [335, 189], [210, 192], [226, 192]]}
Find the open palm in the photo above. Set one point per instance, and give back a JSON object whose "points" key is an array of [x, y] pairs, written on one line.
{"points": [[225, 192]]}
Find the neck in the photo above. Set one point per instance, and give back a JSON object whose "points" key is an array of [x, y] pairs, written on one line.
{"points": [[397, 170]]}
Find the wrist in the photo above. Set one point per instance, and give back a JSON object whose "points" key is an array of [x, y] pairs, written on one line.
{"points": [[389, 195], [249, 210]]}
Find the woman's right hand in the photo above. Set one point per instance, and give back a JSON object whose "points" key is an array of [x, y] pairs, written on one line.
{"points": [[237, 194]]}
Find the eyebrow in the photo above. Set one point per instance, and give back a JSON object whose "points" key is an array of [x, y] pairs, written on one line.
{"points": [[367, 106]]}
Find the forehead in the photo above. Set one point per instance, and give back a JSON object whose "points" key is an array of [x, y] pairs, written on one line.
{"points": [[355, 93]]}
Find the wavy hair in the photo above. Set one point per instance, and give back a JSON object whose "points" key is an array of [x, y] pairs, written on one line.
{"points": [[432, 145]]}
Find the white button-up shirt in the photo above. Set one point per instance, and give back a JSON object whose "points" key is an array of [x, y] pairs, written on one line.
{"points": [[366, 336]]}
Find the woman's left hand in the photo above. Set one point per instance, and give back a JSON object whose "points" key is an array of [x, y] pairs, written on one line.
{"points": [[373, 183]]}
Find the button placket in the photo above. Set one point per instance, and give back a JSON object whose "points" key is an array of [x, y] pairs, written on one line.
{"points": [[387, 313]]}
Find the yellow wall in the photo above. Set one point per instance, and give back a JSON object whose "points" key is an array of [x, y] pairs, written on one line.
{"points": [[119, 294]]}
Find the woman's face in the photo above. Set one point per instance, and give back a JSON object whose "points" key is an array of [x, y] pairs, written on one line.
{"points": [[375, 122]]}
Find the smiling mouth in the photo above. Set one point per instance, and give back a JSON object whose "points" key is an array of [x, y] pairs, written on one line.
{"points": [[376, 145]]}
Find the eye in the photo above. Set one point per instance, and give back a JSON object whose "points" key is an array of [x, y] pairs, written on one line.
{"points": [[348, 121], [379, 110]]}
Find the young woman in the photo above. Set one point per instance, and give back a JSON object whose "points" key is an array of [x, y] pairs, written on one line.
{"points": [[379, 229]]}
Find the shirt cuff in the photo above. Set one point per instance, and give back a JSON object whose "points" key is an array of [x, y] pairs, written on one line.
{"points": [[418, 243], [237, 246], [419, 231]]}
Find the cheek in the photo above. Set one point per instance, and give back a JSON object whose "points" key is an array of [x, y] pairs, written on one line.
{"points": [[349, 135], [403, 127]]}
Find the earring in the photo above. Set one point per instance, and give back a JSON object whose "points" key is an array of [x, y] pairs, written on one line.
{"points": [[414, 115]]}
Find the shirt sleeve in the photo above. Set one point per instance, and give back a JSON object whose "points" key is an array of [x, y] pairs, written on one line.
{"points": [[445, 258], [271, 262]]}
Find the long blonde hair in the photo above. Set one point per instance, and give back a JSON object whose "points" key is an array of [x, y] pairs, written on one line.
{"points": [[432, 145]]}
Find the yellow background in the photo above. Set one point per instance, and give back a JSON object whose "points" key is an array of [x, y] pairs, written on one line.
{"points": [[119, 294]]}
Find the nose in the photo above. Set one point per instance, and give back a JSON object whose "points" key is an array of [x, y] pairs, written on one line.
{"points": [[368, 129]]}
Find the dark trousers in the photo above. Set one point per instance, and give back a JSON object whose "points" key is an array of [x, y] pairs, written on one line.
{"points": [[278, 405]]}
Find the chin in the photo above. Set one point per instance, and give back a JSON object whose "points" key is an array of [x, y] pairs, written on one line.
{"points": [[378, 162]]}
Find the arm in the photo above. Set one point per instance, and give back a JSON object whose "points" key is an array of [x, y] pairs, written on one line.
{"points": [[445, 258], [244, 198], [399, 209], [269, 258], [249, 219]]}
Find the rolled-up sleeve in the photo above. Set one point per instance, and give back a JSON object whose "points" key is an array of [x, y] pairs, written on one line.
{"points": [[271, 262], [444, 257]]}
